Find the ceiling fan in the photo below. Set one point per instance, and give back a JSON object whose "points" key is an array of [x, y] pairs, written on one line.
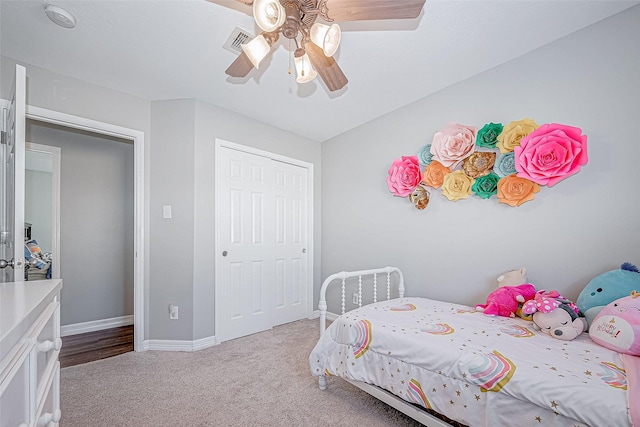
{"points": [[316, 41]]}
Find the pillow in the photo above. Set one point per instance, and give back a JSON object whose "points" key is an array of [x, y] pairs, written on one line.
{"points": [[617, 325]]}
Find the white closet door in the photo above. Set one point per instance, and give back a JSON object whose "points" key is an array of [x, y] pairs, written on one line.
{"points": [[291, 236], [261, 264], [12, 154]]}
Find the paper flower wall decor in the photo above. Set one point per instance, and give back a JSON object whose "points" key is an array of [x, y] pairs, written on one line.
{"points": [[509, 162]]}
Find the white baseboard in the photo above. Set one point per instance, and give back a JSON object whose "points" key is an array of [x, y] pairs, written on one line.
{"points": [[329, 316], [95, 325], [179, 345]]}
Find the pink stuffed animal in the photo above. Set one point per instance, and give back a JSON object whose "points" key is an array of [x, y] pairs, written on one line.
{"points": [[617, 325], [504, 300]]}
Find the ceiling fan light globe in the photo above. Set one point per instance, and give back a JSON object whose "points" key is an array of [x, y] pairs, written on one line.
{"points": [[256, 49], [268, 14], [304, 70], [326, 37]]}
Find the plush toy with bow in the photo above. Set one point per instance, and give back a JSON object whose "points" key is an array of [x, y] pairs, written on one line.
{"points": [[555, 315], [504, 300]]}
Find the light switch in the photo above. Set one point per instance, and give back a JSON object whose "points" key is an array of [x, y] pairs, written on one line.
{"points": [[166, 211]]}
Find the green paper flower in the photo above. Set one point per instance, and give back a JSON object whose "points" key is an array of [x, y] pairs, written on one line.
{"points": [[486, 186], [488, 135]]}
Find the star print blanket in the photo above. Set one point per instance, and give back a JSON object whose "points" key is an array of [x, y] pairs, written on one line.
{"points": [[478, 370]]}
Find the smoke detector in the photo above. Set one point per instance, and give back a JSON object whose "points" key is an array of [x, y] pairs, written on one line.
{"points": [[60, 16]]}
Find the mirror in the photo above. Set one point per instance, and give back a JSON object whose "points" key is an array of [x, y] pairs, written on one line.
{"points": [[41, 212]]}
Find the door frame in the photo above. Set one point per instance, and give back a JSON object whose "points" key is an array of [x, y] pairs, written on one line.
{"points": [[220, 143], [140, 224]]}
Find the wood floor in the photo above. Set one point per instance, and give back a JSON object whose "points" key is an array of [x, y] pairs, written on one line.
{"points": [[83, 348]]}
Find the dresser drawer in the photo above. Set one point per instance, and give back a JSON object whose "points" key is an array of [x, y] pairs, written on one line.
{"points": [[48, 341], [14, 389], [48, 413]]}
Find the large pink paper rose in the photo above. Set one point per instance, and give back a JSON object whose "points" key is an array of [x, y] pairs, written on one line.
{"points": [[453, 143], [551, 153], [404, 176]]}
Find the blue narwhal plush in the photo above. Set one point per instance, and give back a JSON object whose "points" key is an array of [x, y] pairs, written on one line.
{"points": [[606, 288]]}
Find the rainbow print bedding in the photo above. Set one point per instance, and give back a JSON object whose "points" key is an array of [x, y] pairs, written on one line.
{"points": [[475, 369]]}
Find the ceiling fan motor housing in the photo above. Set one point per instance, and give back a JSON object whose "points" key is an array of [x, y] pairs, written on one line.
{"points": [[291, 24]]}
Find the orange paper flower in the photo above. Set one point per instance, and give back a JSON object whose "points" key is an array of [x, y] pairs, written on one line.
{"points": [[515, 191], [434, 174]]}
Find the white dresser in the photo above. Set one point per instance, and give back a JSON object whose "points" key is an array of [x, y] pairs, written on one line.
{"points": [[29, 348]]}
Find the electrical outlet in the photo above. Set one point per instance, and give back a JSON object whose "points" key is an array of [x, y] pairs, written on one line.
{"points": [[355, 298], [173, 312]]}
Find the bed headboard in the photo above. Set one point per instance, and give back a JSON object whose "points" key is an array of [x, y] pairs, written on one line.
{"points": [[374, 278]]}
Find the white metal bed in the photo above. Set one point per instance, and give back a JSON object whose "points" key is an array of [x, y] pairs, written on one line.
{"points": [[385, 274], [601, 392]]}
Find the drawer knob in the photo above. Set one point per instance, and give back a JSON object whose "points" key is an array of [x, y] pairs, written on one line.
{"points": [[50, 417], [48, 345]]}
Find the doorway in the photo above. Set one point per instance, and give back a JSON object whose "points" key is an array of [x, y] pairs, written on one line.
{"points": [[42, 212], [263, 241], [139, 223], [96, 233]]}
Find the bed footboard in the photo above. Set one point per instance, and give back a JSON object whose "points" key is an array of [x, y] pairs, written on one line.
{"points": [[377, 274], [378, 279]]}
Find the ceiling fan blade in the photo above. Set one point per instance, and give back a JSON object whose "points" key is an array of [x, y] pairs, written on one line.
{"points": [[240, 67], [361, 10], [327, 67], [243, 65], [243, 6]]}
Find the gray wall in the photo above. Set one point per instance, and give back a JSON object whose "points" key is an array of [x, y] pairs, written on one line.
{"points": [[583, 226], [96, 222]]}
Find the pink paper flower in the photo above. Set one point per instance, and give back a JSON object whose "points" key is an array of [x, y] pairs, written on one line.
{"points": [[453, 143], [404, 176], [551, 153]]}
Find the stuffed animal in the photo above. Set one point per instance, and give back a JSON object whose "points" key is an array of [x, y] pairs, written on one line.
{"points": [[504, 300], [617, 326], [513, 278], [606, 288], [555, 315]]}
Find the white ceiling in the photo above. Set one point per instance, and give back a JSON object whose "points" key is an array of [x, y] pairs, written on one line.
{"points": [[172, 49]]}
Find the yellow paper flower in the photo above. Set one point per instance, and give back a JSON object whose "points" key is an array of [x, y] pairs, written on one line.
{"points": [[456, 186], [514, 191], [434, 174], [513, 133]]}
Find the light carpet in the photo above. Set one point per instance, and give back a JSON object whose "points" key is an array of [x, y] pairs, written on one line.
{"points": [[259, 380]]}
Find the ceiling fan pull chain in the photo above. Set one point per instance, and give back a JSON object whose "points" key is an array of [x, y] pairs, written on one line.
{"points": [[290, 55]]}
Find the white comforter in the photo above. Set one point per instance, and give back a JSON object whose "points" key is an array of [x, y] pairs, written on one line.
{"points": [[476, 369]]}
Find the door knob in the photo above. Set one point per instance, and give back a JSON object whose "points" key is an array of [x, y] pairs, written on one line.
{"points": [[304, 251], [224, 253], [4, 263]]}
